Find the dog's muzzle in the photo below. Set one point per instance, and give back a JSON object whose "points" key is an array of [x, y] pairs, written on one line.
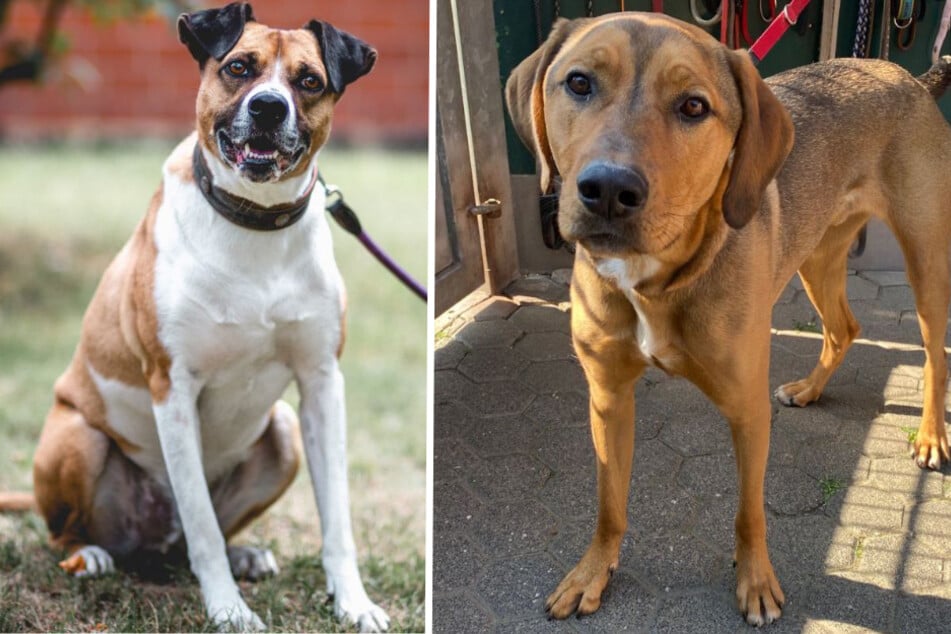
{"points": [[261, 141]]}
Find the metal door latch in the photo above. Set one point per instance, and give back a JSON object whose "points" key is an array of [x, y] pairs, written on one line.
{"points": [[491, 208]]}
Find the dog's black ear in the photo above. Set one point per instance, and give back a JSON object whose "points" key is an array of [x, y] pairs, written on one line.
{"points": [[525, 97], [764, 140], [214, 32], [347, 58]]}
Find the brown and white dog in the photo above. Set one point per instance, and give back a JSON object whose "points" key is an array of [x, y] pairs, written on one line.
{"points": [[168, 424], [691, 208]]}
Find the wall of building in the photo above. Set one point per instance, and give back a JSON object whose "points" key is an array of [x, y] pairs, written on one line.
{"points": [[134, 78]]}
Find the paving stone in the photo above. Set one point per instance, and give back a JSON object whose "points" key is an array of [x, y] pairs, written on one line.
{"points": [[450, 385], [677, 562], [898, 558], [864, 602], [795, 316], [457, 561], [452, 459], [448, 356], [567, 449], [694, 427], [450, 419], [867, 508], [902, 475], [492, 309], [460, 613], [507, 477], [538, 624], [715, 521], [572, 495], [508, 529], [518, 587], [554, 376], [454, 507], [626, 606], [858, 288], [484, 365], [885, 278], [787, 296], [541, 318], [789, 491], [559, 409], [806, 345], [889, 380], [839, 460], [931, 520], [708, 475], [882, 438], [654, 462], [808, 421], [545, 346], [657, 508], [497, 399], [537, 289], [853, 401], [495, 435], [897, 297], [924, 612], [809, 546], [700, 613], [489, 334]]}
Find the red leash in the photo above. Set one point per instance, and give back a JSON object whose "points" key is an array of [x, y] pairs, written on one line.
{"points": [[786, 18]]}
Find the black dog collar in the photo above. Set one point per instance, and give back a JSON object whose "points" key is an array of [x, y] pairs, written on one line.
{"points": [[243, 212]]}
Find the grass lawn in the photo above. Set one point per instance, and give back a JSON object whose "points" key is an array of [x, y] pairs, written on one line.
{"points": [[64, 212]]}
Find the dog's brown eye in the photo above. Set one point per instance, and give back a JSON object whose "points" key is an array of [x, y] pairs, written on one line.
{"points": [[579, 84], [694, 108], [237, 69], [312, 83]]}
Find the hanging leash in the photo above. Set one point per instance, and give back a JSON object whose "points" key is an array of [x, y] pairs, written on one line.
{"points": [[776, 29], [341, 212]]}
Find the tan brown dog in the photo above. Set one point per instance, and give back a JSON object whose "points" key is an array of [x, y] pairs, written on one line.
{"points": [[669, 148]]}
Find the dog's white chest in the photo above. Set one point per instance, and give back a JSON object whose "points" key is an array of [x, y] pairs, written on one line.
{"points": [[626, 275], [239, 310]]}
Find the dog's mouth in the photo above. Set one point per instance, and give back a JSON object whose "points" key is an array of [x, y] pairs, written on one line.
{"points": [[259, 158]]}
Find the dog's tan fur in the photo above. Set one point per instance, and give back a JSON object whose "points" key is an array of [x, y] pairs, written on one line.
{"points": [[686, 283]]}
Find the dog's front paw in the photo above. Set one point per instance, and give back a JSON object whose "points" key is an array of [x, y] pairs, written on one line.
{"points": [[248, 562], [930, 449], [234, 616], [580, 591], [356, 608], [797, 393], [88, 561], [758, 595]]}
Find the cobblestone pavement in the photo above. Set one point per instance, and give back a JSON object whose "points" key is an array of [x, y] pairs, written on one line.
{"points": [[860, 537]]}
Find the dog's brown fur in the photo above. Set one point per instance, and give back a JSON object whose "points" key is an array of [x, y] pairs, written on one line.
{"points": [[687, 281]]}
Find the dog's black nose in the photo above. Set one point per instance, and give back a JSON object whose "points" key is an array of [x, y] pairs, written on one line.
{"points": [[610, 190], [268, 110]]}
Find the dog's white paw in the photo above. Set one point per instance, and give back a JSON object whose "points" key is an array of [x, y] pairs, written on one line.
{"points": [[234, 616], [248, 562], [89, 561], [356, 608]]}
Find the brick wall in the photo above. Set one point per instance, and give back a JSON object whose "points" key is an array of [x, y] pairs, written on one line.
{"points": [[134, 78]]}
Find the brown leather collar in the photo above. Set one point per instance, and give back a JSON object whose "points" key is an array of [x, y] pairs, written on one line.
{"points": [[243, 212]]}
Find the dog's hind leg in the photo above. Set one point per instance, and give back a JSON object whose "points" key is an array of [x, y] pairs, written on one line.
{"points": [[928, 271], [254, 485], [823, 278]]}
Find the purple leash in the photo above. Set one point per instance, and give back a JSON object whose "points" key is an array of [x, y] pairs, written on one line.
{"points": [[348, 221]]}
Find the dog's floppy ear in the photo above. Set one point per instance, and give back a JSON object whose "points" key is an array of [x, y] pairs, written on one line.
{"points": [[214, 32], [762, 143], [525, 97], [347, 58]]}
